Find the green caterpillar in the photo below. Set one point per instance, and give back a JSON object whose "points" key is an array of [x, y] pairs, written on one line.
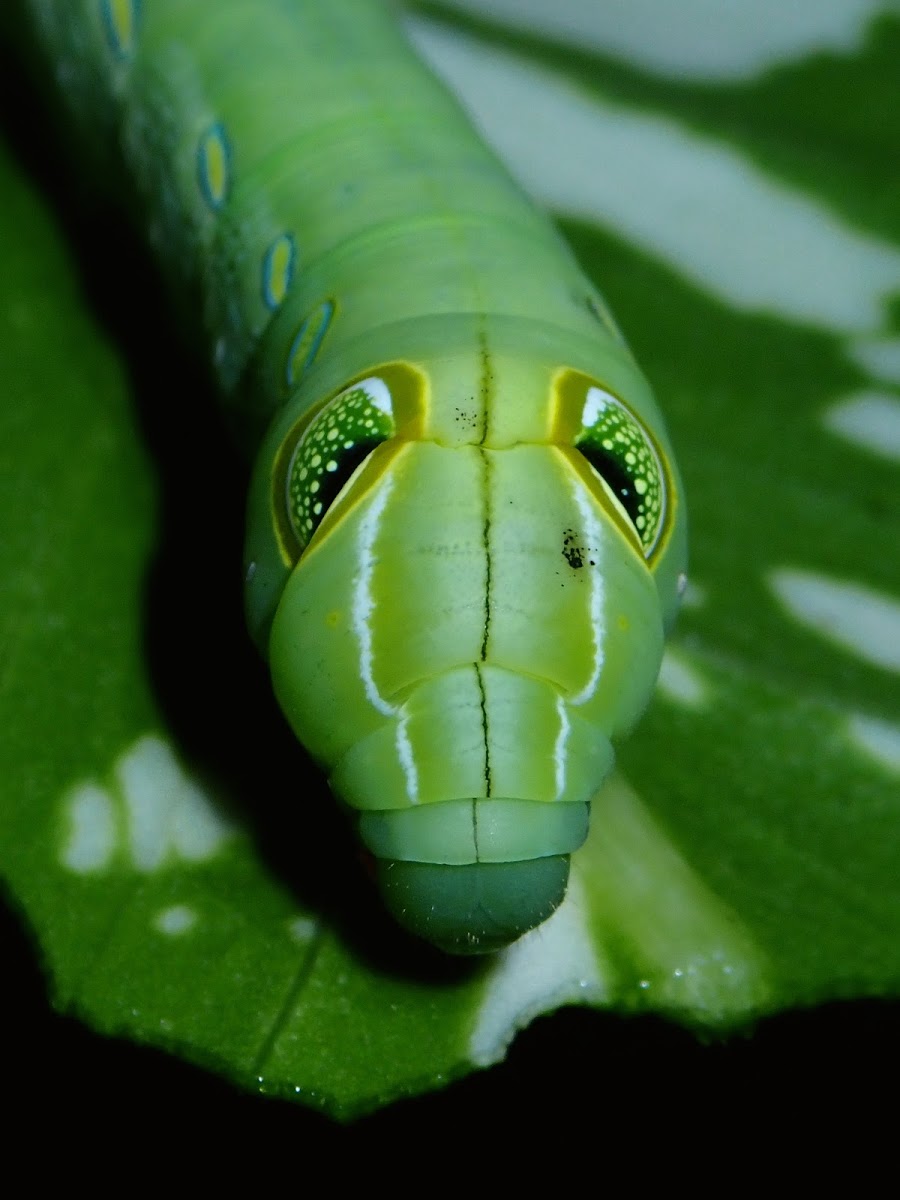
{"points": [[466, 529]]}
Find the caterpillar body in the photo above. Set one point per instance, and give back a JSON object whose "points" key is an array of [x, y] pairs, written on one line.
{"points": [[466, 530]]}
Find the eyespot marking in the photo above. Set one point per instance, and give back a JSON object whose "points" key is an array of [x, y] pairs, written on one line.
{"points": [[306, 342], [214, 165], [619, 449], [278, 270], [354, 434], [335, 443], [120, 23]]}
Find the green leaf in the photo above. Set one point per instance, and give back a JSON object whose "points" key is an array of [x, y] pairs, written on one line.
{"points": [[177, 860]]}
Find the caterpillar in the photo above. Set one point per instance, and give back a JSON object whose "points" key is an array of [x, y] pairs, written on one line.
{"points": [[466, 531]]}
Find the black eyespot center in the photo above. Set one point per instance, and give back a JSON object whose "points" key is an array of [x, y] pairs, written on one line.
{"points": [[334, 482], [616, 478]]}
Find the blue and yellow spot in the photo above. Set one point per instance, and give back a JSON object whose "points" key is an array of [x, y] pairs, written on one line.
{"points": [[120, 21], [278, 270], [307, 341], [214, 165]]}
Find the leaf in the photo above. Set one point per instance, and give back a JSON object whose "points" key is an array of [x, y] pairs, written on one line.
{"points": [[178, 862]]}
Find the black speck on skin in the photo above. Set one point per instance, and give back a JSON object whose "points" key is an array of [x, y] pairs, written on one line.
{"points": [[572, 551]]}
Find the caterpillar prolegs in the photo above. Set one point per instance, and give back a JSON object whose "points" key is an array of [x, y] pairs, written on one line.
{"points": [[466, 530]]}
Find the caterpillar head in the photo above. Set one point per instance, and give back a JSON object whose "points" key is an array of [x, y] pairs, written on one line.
{"points": [[460, 628]]}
